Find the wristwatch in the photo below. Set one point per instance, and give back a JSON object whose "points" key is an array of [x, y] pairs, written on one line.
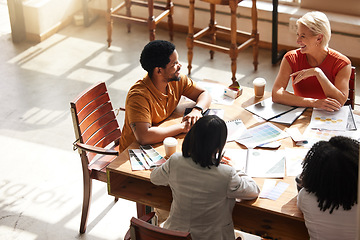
{"points": [[200, 108]]}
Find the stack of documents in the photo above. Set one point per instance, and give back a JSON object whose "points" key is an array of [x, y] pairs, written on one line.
{"points": [[275, 112], [145, 158], [268, 163], [258, 163]]}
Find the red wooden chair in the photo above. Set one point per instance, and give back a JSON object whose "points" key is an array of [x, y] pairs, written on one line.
{"points": [[95, 127], [140, 229], [352, 86]]}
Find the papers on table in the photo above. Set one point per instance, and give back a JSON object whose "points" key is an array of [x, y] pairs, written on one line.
{"points": [[324, 125], [336, 120], [314, 135], [276, 112], [258, 163], [268, 163], [271, 190], [261, 134], [294, 159], [235, 129], [145, 158]]}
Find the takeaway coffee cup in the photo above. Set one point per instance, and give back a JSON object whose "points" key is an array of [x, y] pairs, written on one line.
{"points": [[170, 144], [259, 87]]}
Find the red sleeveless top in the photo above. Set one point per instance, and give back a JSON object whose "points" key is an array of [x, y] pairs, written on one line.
{"points": [[310, 87]]}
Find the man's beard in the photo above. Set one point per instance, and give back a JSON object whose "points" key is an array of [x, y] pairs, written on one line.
{"points": [[174, 79]]}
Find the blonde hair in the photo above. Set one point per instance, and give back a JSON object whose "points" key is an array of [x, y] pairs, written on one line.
{"points": [[317, 23]]}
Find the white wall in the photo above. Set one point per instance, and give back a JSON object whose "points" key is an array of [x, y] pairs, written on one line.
{"points": [[41, 16]]}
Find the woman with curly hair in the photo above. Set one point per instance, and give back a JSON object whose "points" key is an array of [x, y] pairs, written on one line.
{"points": [[328, 198]]}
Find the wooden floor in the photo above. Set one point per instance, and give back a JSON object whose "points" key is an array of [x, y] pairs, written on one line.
{"points": [[40, 174]]}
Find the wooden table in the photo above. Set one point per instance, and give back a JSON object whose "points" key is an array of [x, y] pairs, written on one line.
{"points": [[280, 219]]}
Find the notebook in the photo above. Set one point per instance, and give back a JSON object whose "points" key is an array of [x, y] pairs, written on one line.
{"points": [[268, 110]]}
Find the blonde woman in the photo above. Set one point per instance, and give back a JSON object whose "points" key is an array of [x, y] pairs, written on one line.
{"points": [[319, 74]]}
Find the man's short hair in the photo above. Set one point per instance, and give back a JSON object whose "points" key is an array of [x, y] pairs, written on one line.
{"points": [[156, 54]]}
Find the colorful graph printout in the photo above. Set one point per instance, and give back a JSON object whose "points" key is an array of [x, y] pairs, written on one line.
{"points": [[315, 135], [336, 120], [261, 134]]}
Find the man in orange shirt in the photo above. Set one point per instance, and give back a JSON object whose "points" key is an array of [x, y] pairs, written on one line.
{"points": [[154, 98]]}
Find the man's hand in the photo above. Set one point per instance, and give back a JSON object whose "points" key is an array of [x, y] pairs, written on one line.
{"points": [[192, 117], [185, 126], [328, 104]]}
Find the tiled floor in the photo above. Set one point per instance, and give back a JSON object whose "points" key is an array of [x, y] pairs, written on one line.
{"points": [[40, 174]]}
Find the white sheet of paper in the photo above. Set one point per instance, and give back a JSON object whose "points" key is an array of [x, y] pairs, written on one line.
{"points": [[337, 120], [235, 129], [266, 163], [294, 159], [135, 164], [238, 156], [272, 191]]}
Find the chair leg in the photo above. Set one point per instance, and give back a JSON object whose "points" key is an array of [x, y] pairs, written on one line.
{"points": [[170, 6], [109, 22], [151, 20], [140, 209], [233, 37], [212, 28], [86, 203], [190, 36], [255, 34], [128, 13]]}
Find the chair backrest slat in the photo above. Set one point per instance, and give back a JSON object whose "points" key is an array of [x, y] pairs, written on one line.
{"points": [[102, 133], [89, 95], [92, 106], [95, 115], [96, 125], [110, 138]]}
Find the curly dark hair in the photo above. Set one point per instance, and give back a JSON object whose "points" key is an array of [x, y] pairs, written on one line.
{"points": [[205, 141], [330, 171], [156, 54]]}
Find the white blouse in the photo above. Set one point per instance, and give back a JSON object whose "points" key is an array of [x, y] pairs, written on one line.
{"points": [[340, 224]]}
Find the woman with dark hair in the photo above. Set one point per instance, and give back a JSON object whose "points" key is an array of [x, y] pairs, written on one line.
{"points": [[328, 199], [203, 189]]}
